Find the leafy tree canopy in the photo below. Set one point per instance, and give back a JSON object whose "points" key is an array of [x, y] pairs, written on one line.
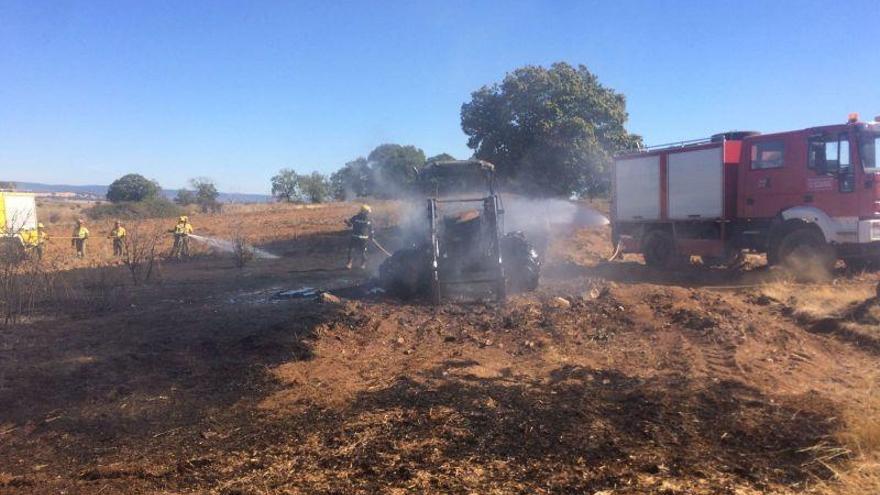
{"points": [[352, 180], [393, 168], [315, 187], [289, 186], [132, 187], [206, 193], [285, 185], [442, 157], [185, 197], [548, 131]]}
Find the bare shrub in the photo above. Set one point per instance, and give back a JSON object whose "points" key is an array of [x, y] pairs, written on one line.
{"points": [[18, 275], [242, 251], [24, 283], [11, 251], [142, 253]]}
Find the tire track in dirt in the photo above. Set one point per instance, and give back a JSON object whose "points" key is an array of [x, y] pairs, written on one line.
{"points": [[721, 358], [698, 331], [785, 354]]}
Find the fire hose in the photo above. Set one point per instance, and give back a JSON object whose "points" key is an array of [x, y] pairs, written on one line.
{"points": [[380, 247], [616, 253]]}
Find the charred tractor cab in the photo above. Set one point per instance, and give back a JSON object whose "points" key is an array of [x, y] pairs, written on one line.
{"points": [[463, 250]]}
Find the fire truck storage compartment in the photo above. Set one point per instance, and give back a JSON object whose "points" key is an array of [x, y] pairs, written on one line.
{"points": [[695, 184], [637, 188]]}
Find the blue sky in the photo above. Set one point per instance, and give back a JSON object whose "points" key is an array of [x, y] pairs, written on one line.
{"points": [[236, 90]]}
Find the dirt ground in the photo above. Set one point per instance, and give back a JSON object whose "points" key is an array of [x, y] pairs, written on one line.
{"points": [[211, 380]]}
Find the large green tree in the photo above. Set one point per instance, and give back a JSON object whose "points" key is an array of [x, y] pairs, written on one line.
{"points": [[185, 197], [394, 168], [352, 180], [285, 185], [315, 187], [132, 187], [549, 131], [206, 194]]}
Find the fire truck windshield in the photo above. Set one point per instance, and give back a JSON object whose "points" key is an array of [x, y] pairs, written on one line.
{"points": [[869, 143]]}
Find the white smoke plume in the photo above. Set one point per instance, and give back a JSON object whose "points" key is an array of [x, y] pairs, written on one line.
{"points": [[538, 218]]}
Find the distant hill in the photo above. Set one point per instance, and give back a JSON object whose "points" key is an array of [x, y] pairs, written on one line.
{"points": [[99, 192]]}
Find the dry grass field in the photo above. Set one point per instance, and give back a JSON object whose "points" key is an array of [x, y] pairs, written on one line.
{"points": [[208, 379]]}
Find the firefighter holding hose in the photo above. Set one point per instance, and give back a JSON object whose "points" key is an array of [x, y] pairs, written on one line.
{"points": [[181, 233], [79, 237], [34, 240], [41, 238], [361, 234], [118, 235]]}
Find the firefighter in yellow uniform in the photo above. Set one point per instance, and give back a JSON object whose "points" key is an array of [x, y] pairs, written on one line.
{"points": [[34, 240], [181, 233], [79, 237], [29, 239], [118, 235], [42, 239]]}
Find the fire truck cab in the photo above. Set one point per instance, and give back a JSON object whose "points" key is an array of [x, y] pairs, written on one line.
{"points": [[811, 194]]}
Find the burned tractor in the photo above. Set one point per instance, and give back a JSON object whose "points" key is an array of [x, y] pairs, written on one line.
{"points": [[461, 246]]}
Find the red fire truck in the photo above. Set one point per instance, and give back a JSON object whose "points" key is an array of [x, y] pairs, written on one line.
{"points": [[811, 194]]}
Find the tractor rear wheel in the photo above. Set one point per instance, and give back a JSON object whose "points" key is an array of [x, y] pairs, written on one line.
{"points": [[406, 274], [522, 266]]}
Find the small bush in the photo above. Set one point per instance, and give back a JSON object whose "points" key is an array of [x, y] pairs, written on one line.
{"points": [[151, 208], [23, 283], [242, 252], [142, 247]]}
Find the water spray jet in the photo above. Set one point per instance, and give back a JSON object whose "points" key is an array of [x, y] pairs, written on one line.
{"points": [[226, 246]]}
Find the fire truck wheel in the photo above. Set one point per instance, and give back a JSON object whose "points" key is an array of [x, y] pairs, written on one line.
{"points": [[804, 253], [658, 248]]}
